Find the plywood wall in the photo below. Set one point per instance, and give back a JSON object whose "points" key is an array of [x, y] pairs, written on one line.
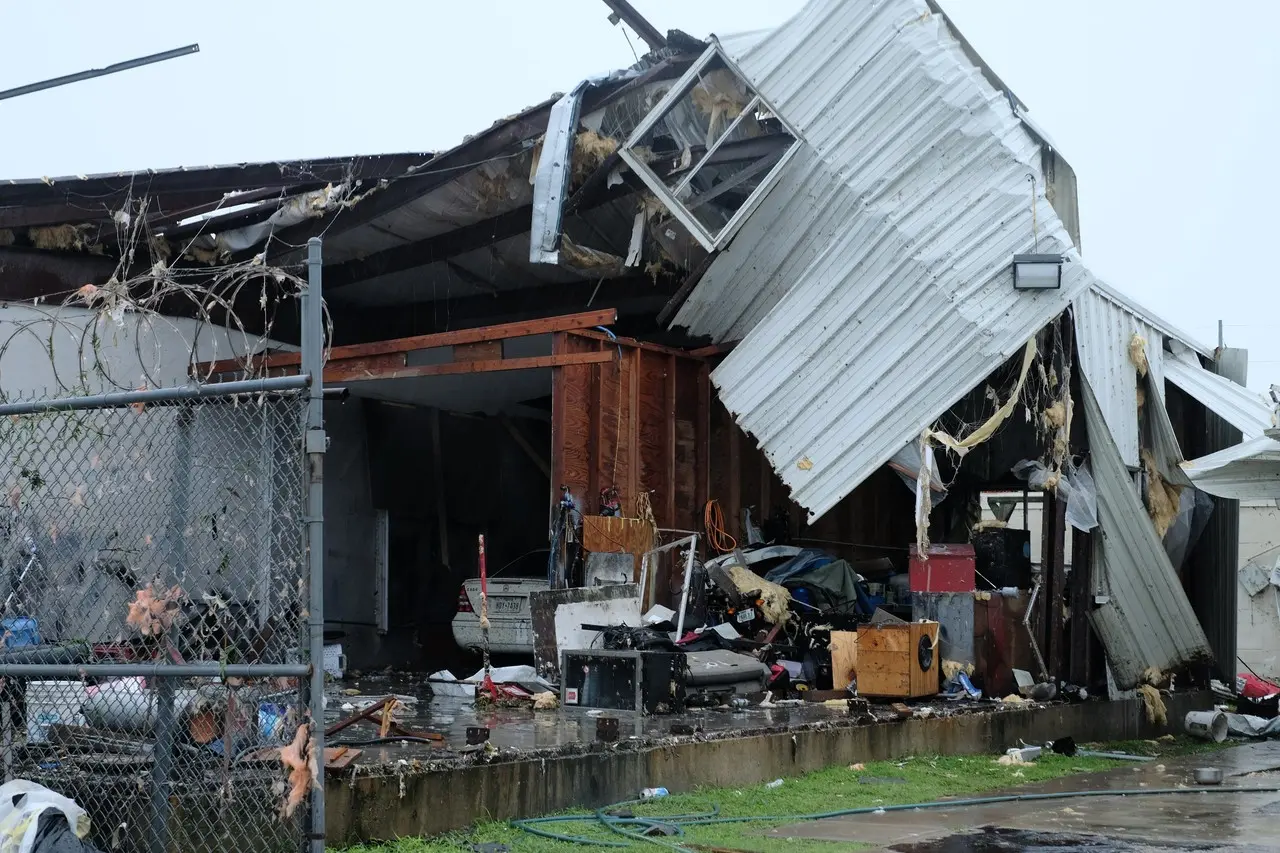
{"points": [[639, 422]]}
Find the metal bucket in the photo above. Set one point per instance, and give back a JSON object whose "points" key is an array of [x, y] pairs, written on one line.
{"points": [[1209, 725]]}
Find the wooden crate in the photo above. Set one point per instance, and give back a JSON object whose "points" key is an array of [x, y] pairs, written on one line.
{"points": [[889, 660], [844, 658]]}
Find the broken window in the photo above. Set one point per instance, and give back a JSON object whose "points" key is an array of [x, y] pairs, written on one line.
{"points": [[710, 149]]}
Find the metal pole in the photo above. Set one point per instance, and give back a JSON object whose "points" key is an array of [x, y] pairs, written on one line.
{"points": [[99, 72], [155, 396], [162, 764], [313, 365], [684, 595], [76, 671], [158, 836], [625, 12]]}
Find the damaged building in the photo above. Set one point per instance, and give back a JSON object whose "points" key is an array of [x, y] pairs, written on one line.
{"points": [[780, 289]]}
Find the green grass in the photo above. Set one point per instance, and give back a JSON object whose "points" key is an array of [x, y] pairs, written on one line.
{"points": [[926, 778]]}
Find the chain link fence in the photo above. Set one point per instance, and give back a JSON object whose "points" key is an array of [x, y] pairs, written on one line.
{"points": [[154, 580]]}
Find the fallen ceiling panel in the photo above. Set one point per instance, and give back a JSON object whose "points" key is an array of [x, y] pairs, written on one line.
{"points": [[873, 285], [1143, 616], [1248, 471], [1245, 410]]}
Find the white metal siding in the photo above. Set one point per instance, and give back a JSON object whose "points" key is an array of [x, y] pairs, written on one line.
{"points": [[873, 285], [1245, 410], [1104, 328], [1248, 471], [1258, 616]]}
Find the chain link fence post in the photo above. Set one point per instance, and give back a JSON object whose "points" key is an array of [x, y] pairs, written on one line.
{"points": [[313, 366]]}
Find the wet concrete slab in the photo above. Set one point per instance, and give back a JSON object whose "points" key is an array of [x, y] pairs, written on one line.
{"points": [[526, 731], [394, 791], [1235, 816]]}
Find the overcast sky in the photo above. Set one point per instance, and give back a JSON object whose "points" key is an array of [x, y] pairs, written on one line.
{"points": [[1169, 112]]}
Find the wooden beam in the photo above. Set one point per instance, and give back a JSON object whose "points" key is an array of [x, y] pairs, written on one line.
{"points": [[630, 343], [702, 431], [480, 334], [1056, 594], [713, 350], [634, 295], [669, 423], [336, 373]]}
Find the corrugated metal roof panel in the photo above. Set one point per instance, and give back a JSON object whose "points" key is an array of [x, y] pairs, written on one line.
{"points": [[1145, 619], [1151, 319], [1245, 410], [1248, 471], [873, 285], [1104, 328]]}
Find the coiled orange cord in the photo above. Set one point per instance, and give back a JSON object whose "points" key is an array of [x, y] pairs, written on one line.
{"points": [[717, 536]]}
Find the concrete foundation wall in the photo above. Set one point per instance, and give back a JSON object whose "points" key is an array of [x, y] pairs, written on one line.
{"points": [[368, 808]]}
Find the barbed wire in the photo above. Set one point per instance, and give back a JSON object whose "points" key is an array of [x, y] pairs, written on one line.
{"points": [[164, 311]]}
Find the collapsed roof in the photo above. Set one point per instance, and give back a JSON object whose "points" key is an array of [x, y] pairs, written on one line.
{"points": [[842, 197]]}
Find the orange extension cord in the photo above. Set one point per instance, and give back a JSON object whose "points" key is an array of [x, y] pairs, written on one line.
{"points": [[717, 536]]}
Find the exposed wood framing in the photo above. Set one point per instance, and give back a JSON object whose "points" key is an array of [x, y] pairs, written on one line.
{"points": [[389, 356], [630, 423], [1054, 593], [338, 373], [1080, 668]]}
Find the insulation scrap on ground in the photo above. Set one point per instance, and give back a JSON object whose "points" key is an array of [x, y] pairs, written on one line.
{"points": [[1153, 704]]}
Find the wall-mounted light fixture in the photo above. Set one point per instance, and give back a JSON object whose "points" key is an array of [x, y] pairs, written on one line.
{"points": [[1037, 272]]}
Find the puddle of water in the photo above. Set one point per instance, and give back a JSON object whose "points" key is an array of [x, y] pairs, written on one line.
{"points": [[1001, 840]]}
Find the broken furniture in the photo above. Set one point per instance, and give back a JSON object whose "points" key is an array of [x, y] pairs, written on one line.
{"points": [[616, 680], [898, 659], [380, 713]]}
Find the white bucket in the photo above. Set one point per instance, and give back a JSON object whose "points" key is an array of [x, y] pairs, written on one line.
{"points": [[52, 703], [1210, 725]]}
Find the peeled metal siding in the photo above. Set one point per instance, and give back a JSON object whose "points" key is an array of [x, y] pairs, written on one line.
{"points": [[1104, 328], [1145, 618], [1245, 410], [1248, 471], [873, 285]]}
